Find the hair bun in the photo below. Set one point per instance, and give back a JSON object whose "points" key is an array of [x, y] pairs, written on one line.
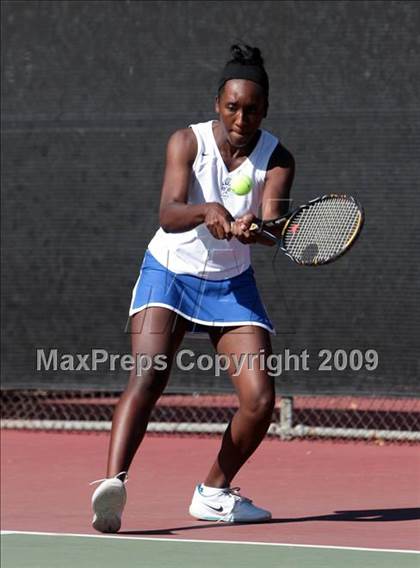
{"points": [[246, 55]]}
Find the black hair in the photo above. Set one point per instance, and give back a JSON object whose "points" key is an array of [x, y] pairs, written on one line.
{"points": [[246, 55], [246, 63]]}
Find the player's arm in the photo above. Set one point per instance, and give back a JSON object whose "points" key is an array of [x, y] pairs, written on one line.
{"points": [[276, 196], [278, 184], [175, 214]]}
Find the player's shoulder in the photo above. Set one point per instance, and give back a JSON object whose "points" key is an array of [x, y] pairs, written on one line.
{"points": [[183, 136], [281, 157], [183, 141]]}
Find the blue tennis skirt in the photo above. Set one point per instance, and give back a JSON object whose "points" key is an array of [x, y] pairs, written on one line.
{"points": [[216, 303]]}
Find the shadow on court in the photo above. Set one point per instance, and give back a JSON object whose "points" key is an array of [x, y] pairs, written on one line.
{"points": [[367, 515]]}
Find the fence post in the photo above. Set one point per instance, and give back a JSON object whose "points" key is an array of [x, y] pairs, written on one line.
{"points": [[286, 417]]}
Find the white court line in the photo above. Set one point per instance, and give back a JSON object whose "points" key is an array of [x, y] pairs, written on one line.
{"points": [[160, 539]]}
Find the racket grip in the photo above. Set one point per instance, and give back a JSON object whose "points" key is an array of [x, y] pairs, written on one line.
{"points": [[255, 227]]}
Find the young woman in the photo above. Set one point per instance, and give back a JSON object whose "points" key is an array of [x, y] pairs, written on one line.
{"points": [[197, 272]]}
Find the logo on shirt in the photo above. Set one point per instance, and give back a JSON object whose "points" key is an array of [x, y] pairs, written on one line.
{"points": [[225, 189]]}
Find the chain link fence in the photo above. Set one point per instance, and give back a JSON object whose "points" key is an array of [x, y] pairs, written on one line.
{"points": [[344, 417]]}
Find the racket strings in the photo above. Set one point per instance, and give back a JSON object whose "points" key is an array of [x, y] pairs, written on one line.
{"points": [[326, 229], [322, 230]]}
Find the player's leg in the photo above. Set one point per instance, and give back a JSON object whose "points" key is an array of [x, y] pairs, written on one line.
{"points": [[154, 332], [255, 389]]}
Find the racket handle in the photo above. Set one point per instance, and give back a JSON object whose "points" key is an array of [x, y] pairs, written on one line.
{"points": [[253, 227], [261, 231]]}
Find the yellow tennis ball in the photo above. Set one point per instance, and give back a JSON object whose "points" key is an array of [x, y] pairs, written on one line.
{"points": [[241, 185]]}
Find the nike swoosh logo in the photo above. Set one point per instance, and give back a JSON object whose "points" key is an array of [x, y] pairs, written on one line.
{"points": [[218, 509]]}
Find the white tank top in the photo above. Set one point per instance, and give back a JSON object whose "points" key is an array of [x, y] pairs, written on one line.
{"points": [[196, 251]]}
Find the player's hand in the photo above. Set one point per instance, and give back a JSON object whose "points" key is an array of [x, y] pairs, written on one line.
{"points": [[218, 221], [240, 229]]}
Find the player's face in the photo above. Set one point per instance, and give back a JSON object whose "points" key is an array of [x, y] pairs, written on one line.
{"points": [[241, 106]]}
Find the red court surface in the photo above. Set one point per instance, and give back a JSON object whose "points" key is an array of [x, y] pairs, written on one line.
{"points": [[325, 493]]}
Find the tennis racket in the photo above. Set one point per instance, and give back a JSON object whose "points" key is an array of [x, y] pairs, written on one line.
{"points": [[319, 232]]}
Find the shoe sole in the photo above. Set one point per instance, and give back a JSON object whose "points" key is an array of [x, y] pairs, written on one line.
{"points": [[105, 505], [226, 519], [106, 522]]}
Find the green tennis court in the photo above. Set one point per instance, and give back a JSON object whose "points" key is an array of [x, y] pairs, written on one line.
{"points": [[25, 550]]}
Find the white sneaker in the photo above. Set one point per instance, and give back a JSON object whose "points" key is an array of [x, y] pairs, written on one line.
{"points": [[108, 502], [226, 505]]}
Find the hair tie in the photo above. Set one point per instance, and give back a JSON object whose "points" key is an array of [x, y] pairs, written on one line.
{"points": [[250, 72]]}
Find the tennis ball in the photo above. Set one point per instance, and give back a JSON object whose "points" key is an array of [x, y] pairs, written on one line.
{"points": [[241, 185]]}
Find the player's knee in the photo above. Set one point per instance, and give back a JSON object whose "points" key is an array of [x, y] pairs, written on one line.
{"points": [[260, 407], [148, 385]]}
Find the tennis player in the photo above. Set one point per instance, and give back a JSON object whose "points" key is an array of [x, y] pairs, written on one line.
{"points": [[197, 274]]}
